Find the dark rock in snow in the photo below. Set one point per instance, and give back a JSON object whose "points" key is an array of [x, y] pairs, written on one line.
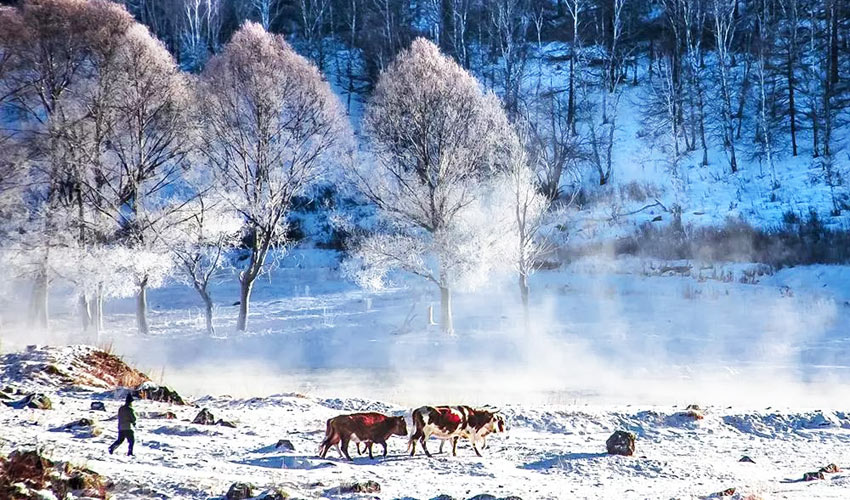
{"points": [[813, 476], [443, 497], [693, 411], [285, 445], [167, 415], [747, 459], [621, 443], [364, 487], [82, 428], [483, 496], [830, 469], [226, 423], [274, 494], [97, 406], [83, 422], [204, 417], [239, 491], [160, 393], [34, 401]]}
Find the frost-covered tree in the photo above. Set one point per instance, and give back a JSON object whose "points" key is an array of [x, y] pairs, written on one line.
{"points": [[146, 152], [53, 44], [725, 24], [204, 231], [526, 207], [435, 136], [272, 126]]}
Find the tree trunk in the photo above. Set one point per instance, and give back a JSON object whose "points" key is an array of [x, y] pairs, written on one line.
{"points": [[446, 311], [97, 317], [792, 109], [142, 307], [38, 301], [246, 284], [523, 292], [208, 310], [85, 311]]}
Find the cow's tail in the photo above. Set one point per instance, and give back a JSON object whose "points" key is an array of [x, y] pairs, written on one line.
{"points": [[418, 425], [326, 443]]}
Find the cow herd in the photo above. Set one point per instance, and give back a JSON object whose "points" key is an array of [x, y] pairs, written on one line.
{"points": [[447, 423]]}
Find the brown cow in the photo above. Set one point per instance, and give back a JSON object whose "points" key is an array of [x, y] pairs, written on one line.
{"points": [[452, 423], [366, 428]]}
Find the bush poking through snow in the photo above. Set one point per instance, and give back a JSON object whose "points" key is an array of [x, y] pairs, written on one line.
{"points": [[27, 475], [621, 443], [112, 370]]}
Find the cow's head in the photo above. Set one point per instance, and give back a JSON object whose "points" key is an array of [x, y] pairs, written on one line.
{"points": [[497, 423], [400, 427], [500, 422]]}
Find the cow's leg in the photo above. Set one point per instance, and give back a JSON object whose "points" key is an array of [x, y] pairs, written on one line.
{"points": [[424, 448], [474, 447], [358, 448], [369, 446], [454, 446], [411, 444], [442, 442], [344, 445], [384, 444]]}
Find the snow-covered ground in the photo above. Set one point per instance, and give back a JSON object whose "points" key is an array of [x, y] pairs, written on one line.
{"points": [[613, 344], [549, 451]]}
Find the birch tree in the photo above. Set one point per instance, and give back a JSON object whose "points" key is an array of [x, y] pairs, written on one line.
{"points": [[527, 208], [55, 44], [200, 238], [435, 136], [272, 126], [724, 34]]}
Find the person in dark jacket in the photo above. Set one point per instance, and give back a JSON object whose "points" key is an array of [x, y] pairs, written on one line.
{"points": [[126, 422]]}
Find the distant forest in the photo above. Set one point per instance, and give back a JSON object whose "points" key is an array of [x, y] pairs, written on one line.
{"points": [[757, 77]]}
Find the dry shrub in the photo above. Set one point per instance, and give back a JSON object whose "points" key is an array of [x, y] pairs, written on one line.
{"points": [[112, 370], [24, 473], [797, 241]]}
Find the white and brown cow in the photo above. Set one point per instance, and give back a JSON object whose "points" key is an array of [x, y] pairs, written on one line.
{"points": [[452, 423]]}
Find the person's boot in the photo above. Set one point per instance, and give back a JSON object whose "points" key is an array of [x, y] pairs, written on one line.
{"points": [[111, 450]]}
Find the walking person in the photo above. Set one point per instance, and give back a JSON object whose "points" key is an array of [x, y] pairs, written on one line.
{"points": [[126, 422]]}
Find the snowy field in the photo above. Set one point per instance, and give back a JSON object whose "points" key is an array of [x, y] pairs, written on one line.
{"points": [[613, 344]]}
